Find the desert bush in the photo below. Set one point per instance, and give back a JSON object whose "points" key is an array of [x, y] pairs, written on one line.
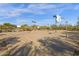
{"points": [[25, 27], [44, 27]]}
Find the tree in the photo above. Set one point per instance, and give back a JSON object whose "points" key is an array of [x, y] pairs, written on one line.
{"points": [[25, 27], [34, 27], [0, 28], [8, 27]]}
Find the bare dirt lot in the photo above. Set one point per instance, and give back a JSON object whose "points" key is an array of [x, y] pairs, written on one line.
{"points": [[39, 43]]}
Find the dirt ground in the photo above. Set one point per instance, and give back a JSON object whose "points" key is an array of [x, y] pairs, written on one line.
{"points": [[39, 43]]}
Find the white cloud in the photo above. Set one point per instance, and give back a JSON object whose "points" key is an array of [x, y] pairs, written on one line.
{"points": [[9, 11], [32, 8], [41, 6]]}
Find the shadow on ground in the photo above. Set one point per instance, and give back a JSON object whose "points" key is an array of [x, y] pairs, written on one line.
{"points": [[57, 47], [24, 50], [74, 35], [9, 40]]}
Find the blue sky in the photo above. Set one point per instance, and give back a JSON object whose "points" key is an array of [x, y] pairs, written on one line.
{"points": [[25, 13]]}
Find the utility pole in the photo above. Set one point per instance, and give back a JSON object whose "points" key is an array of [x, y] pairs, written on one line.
{"points": [[56, 26], [66, 29], [77, 24]]}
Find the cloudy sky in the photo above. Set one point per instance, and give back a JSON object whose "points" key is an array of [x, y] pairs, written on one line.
{"points": [[23, 13]]}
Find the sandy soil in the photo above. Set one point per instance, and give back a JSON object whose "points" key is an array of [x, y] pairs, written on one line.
{"points": [[67, 45]]}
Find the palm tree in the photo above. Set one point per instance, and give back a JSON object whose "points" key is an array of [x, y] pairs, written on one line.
{"points": [[55, 22], [34, 26], [33, 21], [55, 18]]}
